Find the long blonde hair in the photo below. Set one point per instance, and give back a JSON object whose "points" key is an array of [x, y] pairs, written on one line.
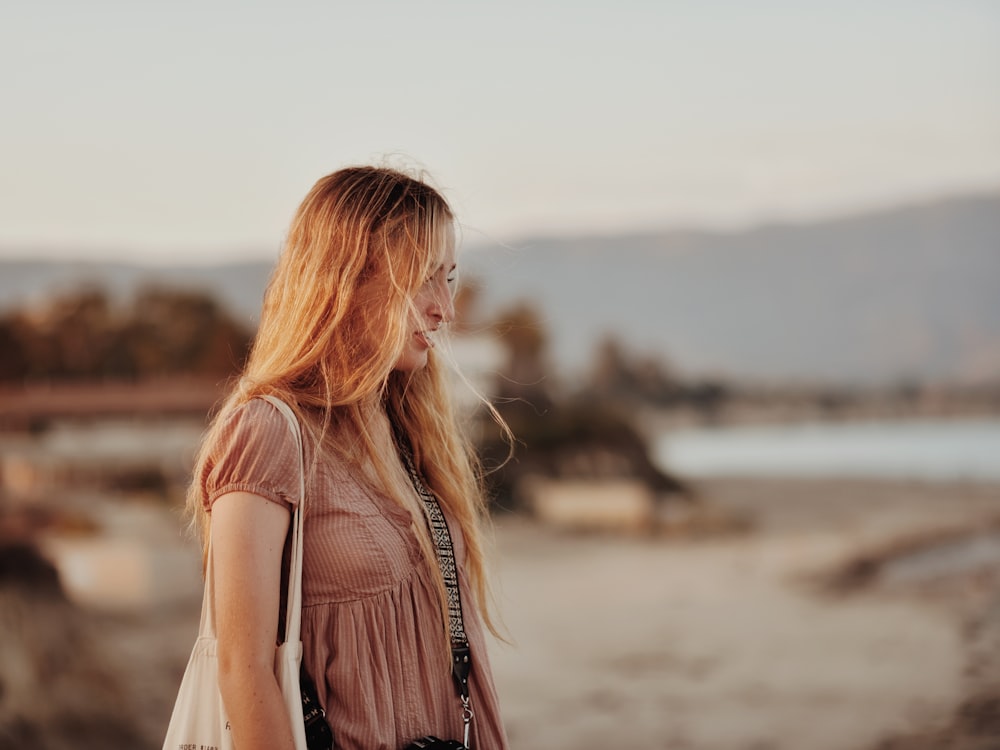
{"points": [[334, 321]]}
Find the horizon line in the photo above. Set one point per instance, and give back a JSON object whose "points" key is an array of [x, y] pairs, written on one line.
{"points": [[118, 252]]}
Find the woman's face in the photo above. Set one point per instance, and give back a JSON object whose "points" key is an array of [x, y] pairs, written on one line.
{"points": [[432, 306]]}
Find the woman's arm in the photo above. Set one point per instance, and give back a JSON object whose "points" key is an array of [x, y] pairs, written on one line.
{"points": [[248, 536]]}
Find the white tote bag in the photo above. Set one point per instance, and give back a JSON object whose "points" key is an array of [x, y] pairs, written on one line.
{"points": [[199, 720]]}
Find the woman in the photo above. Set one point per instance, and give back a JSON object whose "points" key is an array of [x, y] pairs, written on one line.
{"points": [[347, 338]]}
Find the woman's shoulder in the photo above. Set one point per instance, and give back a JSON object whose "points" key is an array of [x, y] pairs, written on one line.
{"points": [[260, 420], [252, 450], [257, 411]]}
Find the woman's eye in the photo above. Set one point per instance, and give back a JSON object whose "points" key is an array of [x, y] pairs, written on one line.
{"points": [[449, 278]]}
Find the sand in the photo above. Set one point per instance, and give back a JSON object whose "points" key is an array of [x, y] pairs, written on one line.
{"points": [[734, 642], [729, 641]]}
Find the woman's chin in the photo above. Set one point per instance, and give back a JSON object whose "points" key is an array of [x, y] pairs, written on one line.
{"points": [[411, 361]]}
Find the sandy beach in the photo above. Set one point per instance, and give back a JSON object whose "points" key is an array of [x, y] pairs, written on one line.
{"points": [[699, 641], [736, 641]]}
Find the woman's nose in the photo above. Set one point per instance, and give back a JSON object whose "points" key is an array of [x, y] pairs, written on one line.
{"points": [[443, 306]]}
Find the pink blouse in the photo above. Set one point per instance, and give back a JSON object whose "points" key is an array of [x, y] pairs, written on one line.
{"points": [[371, 622]]}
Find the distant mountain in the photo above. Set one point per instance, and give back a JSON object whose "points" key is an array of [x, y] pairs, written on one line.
{"points": [[912, 292], [239, 286]]}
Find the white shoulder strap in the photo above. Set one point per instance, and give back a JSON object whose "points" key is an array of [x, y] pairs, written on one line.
{"points": [[293, 610]]}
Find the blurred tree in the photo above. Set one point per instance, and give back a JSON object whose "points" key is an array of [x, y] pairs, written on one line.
{"points": [[609, 369], [708, 397], [617, 375], [575, 438], [13, 344], [557, 435], [523, 334], [74, 333], [80, 336], [466, 299], [171, 331]]}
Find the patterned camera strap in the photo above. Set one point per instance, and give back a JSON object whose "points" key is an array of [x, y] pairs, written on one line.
{"points": [[461, 656]]}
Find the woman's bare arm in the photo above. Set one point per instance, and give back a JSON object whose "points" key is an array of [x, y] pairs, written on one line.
{"points": [[248, 536]]}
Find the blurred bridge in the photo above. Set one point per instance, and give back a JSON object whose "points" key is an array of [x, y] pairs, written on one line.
{"points": [[37, 405]]}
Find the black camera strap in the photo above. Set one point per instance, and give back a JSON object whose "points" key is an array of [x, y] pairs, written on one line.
{"points": [[461, 655]]}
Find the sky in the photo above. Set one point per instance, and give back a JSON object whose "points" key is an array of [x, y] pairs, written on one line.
{"points": [[190, 130]]}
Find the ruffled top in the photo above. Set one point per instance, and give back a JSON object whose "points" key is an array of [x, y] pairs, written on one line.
{"points": [[371, 622]]}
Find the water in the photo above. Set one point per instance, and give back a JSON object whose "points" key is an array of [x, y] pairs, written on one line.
{"points": [[943, 450], [950, 557]]}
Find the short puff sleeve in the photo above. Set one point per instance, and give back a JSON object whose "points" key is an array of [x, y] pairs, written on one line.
{"points": [[254, 451]]}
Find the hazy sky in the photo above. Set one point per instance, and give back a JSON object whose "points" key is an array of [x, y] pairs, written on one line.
{"points": [[190, 129]]}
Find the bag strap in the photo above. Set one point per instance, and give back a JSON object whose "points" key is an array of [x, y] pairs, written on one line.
{"points": [[293, 605], [461, 654], [293, 608]]}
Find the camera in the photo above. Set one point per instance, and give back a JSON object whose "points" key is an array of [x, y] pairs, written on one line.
{"points": [[433, 743]]}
